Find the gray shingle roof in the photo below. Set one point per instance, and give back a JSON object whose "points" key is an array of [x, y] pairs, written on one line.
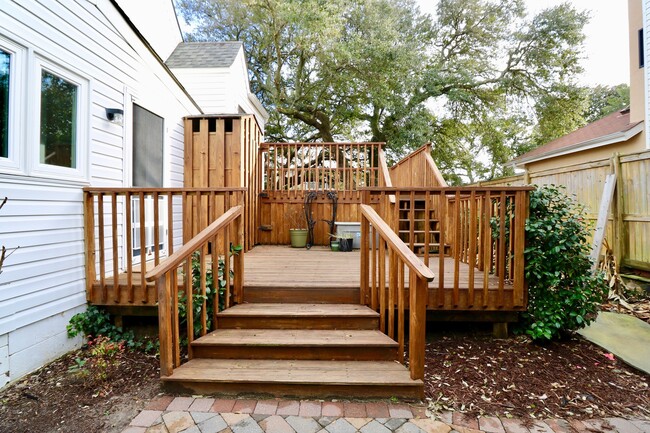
{"points": [[204, 54]]}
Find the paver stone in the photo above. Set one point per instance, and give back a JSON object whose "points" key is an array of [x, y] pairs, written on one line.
{"points": [[276, 424], [177, 421], [303, 424]]}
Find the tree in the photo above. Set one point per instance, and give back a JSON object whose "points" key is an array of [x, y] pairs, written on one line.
{"points": [[604, 100], [373, 69]]}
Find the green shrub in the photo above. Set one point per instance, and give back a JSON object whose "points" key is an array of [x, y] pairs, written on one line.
{"points": [[96, 322], [563, 294], [212, 288]]}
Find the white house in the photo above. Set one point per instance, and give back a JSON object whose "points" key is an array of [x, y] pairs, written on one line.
{"points": [[69, 69], [216, 75]]}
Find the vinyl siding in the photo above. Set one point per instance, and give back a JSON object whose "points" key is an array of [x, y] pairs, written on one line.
{"points": [[43, 282]]}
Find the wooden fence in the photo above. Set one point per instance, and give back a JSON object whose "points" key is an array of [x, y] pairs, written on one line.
{"points": [[291, 171], [628, 230]]}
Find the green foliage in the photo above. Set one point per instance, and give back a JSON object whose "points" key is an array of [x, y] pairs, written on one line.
{"points": [[604, 100], [103, 355], [563, 294], [381, 70], [214, 289], [96, 322]]}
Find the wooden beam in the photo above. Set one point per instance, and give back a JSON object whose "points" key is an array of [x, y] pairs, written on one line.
{"points": [[601, 225]]}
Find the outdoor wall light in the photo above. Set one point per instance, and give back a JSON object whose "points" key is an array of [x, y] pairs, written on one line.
{"points": [[115, 115]]}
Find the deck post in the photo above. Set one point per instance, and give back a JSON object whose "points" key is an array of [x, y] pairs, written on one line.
{"points": [[164, 327], [365, 261], [89, 229], [417, 325]]}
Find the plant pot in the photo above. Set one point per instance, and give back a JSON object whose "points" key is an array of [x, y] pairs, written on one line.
{"points": [[334, 246], [298, 238], [345, 244]]}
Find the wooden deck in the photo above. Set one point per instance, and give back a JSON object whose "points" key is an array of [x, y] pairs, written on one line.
{"points": [[322, 275]]}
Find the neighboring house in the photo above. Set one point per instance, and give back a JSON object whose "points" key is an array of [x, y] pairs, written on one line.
{"points": [[216, 75], [66, 66], [616, 143]]}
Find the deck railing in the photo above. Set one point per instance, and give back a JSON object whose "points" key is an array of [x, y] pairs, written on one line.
{"points": [[320, 166], [128, 230], [377, 241], [483, 228], [213, 293]]}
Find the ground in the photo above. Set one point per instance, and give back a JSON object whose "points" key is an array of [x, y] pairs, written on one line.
{"points": [[466, 371], [55, 398]]}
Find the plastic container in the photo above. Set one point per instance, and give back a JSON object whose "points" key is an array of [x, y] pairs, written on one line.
{"points": [[350, 227]]}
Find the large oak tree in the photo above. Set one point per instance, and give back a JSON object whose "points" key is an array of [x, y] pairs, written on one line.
{"points": [[468, 79]]}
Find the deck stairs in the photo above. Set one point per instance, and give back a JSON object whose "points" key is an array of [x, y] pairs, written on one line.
{"points": [[312, 349]]}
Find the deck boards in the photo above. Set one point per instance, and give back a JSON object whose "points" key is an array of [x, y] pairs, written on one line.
{"points": [[295, 371], [293, 337], [283, 266]]}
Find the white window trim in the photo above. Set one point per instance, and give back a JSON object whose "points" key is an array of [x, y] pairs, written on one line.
{"points": [[17, 107], [34, 166]]}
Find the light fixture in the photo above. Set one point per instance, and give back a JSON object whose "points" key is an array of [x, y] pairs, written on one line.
{"points": [[115, 115]]}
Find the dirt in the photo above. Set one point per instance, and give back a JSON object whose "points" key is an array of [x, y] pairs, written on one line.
{"points": [[517, 378], [466, 371], [63, 398]]}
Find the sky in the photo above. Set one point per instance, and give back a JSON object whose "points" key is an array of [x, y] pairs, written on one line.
{"points": [[606, 44]]}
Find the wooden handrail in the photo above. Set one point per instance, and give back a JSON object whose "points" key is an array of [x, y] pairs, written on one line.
{"points": [[145, 190], [451, 189], [410, 259], [195, 243], [388, 294]]}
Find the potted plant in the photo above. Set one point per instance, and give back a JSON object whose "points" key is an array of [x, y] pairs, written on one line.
{"points": [[345, 241], [298, 229], [334, 245]]}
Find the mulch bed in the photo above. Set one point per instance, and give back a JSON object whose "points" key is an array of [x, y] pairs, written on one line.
{"points": [[480, 375], [467, 372], [55, 399]]}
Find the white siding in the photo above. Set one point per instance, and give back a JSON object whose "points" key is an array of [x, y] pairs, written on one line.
{"points": [[211, 88], [43, 283]]}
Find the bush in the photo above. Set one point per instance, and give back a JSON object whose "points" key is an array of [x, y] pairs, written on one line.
{"points": [[96, 322], [563, 294]]}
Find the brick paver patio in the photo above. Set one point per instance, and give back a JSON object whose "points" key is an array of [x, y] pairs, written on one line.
{"points": [[167, 414]]}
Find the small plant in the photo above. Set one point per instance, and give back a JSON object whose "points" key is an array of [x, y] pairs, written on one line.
{"points": [[297, 219], [563, 293], [103, 355]]}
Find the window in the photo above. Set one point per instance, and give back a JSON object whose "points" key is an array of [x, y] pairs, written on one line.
{"points": [[5, 63], [59, 135], [58, 142], [641, 49]]}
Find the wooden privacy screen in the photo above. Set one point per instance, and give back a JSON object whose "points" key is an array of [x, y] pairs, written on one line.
{"points": [[222, 151], [291, 170]]}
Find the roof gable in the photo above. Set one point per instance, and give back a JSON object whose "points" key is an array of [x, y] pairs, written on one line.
{"points": [[204, 55]]}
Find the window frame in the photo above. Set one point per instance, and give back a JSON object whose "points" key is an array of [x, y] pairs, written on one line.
{"points": [[13, 163], [82, 126]]}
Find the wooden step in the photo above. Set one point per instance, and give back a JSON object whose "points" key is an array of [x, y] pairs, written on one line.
{"points": [[298, 316], [348, 345], [312, 295], [322, 379]]}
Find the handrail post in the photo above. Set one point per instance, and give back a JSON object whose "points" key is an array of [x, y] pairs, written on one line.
{"points": [[89, 229], [417, 325], [239, 260], [365, 260], [165, 326]]}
